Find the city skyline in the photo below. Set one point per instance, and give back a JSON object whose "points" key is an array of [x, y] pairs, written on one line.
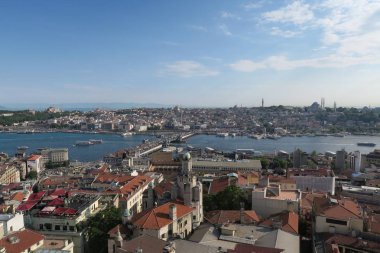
{"points": [[198, 53]]}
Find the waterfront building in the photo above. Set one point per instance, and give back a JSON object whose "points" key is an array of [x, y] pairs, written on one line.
{"points": [[55, 155], [244, 166], [299, 158], [373, 158], [340, 160]]}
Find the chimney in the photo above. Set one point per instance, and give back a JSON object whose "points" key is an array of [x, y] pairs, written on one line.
{"points": [[172, 212], [242, 220]]}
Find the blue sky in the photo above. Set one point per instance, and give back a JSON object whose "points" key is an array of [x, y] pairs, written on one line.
{"points": [[190, 53]]}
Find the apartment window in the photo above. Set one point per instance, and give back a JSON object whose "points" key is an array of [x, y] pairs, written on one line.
{"points": [[338, 222], [57, 227], [48, 226], [41, 226], [185, 222], [64, 228], [71, 228]]}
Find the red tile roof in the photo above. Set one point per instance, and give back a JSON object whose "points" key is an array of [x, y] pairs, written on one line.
{"points": [[218, 217], [343, 209], [34, 157], [18, 196], [158, 217], [288, 220], [27, 238], [352, 242]]}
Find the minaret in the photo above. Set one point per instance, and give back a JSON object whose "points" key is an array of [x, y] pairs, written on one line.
{"points": [[334, 106], [262, 103]]}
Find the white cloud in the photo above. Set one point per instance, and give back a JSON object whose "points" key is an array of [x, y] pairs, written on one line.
{"points": [[224, 29], [297, 13], [253, 5], [229, 15], [188, 69], [283, 33], [198, 28], [246, 66]]}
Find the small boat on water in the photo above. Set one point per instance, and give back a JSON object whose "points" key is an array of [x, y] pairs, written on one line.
{"points": [[22, 147], [273, 137], [222, 134], [126, 134], [366, 144]]}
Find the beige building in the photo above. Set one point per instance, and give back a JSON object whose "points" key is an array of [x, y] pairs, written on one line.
{"points": [[166, 221], [9, 174], [272, 200], [55, 155]]}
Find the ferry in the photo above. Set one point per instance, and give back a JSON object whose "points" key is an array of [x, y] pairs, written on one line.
{"points": [[83, 143], [208, 149], [366, 144], [96, 141]]}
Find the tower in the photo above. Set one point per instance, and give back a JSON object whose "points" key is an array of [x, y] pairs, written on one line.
{"points": [[262, 102], [189, 189], [118, 239], [334, 106]]}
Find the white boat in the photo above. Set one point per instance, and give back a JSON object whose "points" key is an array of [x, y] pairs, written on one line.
{"points": [[233, 134], [222, 134], [256, 136], [127, 134], [273, 137]]}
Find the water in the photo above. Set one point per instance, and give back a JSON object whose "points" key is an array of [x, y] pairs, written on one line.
{"points": [[111, 143], [288, 144]]}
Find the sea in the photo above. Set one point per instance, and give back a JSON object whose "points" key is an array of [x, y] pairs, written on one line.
{"points": [[113, 142]]}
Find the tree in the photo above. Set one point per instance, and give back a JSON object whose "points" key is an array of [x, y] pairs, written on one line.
{"points": [[264, 163], [98, 227], [32, 175], [228, 199]]}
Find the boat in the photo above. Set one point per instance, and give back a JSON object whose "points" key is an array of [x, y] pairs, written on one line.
{"points": [[233, 134], [84, 143], [22, 147], [339, 135], [273, 137], [126, 134], [257, 136], [208, 149], [145, 140], [222, 134], [96, 141], [366, 144]]}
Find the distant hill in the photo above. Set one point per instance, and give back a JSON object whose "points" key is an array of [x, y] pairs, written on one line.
{"points": [[84, 106]]}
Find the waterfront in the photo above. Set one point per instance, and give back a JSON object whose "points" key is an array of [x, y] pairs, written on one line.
{"points": [[112, 142], [288, 144]]}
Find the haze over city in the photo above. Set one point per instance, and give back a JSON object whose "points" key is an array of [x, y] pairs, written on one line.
{"points": [[193, 53]]}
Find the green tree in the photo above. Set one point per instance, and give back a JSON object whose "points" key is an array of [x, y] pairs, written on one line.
{"points": [[228, 199], [264, 163], [32, 175], [98, 227]]}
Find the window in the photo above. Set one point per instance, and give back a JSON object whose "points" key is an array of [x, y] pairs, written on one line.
{"points": [[57, 227], [41, 226], [338, 222], [48, 226], [64, 228], [71, 228]]}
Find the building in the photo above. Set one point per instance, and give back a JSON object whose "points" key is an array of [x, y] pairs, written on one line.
{"points": [[11, 223], [341, 216], [23, 241], [220, 217], [299, 158], [9, 174], [272, 200], [318, 180], [355, 161], [205, 166], [373, 158], [55, 155], [34, 163], [340, 160], [166, 221]]}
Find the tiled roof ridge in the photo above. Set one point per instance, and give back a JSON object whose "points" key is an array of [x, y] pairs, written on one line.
{"points": [[342, 205]]}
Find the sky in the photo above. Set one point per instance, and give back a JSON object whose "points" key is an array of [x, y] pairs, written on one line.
{"points": [[190, 53]]}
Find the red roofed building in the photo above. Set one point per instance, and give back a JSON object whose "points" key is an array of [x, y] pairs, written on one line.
{"points": [[287, 221], [219, 217], [34, 163], [168, 220], [340, 216], [219, 184], [22, 241]]}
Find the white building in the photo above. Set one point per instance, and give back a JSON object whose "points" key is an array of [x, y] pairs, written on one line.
{"points": [[11, 223], [34, 163]]}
